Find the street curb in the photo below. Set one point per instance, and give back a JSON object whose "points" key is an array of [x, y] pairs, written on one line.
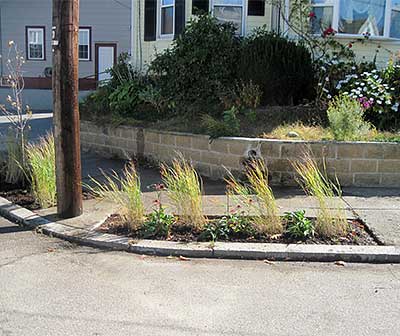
{"points": [[222, 250]]}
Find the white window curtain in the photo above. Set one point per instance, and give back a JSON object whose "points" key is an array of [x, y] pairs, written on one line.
{"points": [[360, 16]]}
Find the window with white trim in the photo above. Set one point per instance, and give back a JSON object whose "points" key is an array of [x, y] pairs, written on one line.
{"points": [[377, 18], [230, 11], [84, 44], [167, 17], [35, 43]]}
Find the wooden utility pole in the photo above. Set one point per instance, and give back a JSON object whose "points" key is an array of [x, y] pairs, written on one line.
{"points": [[66, 107]]}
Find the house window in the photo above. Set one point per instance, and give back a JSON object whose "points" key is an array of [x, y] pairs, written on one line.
{"points": [[35, 43], [395, 19], [84, 44], [167, 17], [357, 17], [229, 11]]}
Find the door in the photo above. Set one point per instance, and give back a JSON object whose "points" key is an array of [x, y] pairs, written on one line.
{"points": [[106, 57]]}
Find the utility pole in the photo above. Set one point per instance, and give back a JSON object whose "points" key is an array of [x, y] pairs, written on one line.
{"points": [[66, 107]]}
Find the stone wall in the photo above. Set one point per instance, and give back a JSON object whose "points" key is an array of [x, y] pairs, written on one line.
{"points": [[354, 163]]}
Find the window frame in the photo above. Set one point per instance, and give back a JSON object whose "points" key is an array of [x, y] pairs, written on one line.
{"points": [[159, 19], [27, 43], [89, 30], [336, 18], [244, 12]]}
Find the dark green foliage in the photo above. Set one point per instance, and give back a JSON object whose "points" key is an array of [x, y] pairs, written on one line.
{"points": [[201, 61], [298, 226], [96, 105], [158, 224], [125, 99], [233, 226], [281, 68], [228, 126]]}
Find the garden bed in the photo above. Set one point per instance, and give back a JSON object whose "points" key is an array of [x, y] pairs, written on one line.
{"points": [[358, 234]]}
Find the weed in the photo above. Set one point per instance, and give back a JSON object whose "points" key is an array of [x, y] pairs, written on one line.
{"points": [[158, 223]]}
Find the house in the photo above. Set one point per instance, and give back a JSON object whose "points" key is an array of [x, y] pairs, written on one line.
{"points": [[104, 33], [142, 28], [370, 27]]}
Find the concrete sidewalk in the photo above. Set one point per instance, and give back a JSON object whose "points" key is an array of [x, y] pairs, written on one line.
{"points": [[379, 208]]}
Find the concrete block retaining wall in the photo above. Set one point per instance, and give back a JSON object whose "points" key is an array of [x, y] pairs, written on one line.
{"points": [[354, 163]]}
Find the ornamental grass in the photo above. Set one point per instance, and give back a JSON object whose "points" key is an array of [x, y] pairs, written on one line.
{"points": [[41, 170], [331, 216], [257, 197], [124, 190], [184, 189]]}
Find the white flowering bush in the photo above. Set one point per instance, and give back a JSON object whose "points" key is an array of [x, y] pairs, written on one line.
{"points": [[378, 93]]}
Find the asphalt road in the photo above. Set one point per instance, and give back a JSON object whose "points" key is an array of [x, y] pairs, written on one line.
{"points": [[50, 287]]}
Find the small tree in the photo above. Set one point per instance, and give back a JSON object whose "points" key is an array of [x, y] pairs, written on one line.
{"points": [[17, 114]]}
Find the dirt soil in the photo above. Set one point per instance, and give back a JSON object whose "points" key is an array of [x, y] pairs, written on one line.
{"points": [[358, 235]]}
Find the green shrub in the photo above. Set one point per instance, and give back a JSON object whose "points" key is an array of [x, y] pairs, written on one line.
{"points": [[346, 120], [42, 170], [200, 62], [228, 126], [298, 226], [96, 105], [158, 223], [125, 99], [281, 68]]}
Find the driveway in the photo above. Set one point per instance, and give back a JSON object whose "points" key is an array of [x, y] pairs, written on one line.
{"points": [[49, 287]]}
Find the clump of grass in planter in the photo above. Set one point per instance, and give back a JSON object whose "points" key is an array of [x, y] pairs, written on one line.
{"points": [[41, 170], [183, 186], [266, 219], [125, 191], [331, 217]]}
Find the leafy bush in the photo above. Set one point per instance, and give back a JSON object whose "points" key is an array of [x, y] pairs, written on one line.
{"points": [[201, 61], [157, 223], [96, 105], [281, 68], [41, 171], [346, 120], [298, 226], [228, 126], [125, 99]]}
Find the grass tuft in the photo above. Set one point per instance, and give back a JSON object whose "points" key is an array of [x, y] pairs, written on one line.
{"points": [[266, 219], [41, 170], [183, 186], [331, 217], [125, 191]]}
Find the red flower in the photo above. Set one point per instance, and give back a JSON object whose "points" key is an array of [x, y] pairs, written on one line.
{"points": [[312, 15], [328, 32], [350, 45]]}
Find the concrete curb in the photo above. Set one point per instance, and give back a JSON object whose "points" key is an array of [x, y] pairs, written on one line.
{"points": [[226, 250]]}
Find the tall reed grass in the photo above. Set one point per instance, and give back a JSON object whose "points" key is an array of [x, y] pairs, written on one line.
{"points": [[258, 198], [184, 189], [124, 190], [41, 170], [331, 216]]}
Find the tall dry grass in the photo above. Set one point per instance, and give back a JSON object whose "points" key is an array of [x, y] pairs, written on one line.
{"points": [[125, 191], [258, 198], [41, 170], [331, 217], [184, 189]]}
